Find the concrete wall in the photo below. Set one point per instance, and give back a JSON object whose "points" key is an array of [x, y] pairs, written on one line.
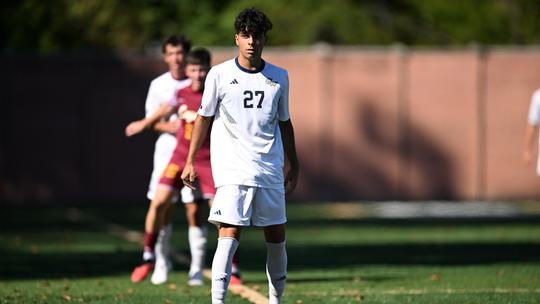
{"points": [[371, 124]]}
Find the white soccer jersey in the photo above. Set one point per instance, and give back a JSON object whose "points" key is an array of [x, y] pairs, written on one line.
{"points": [[534, 118], [162, 89], [246, 147]]}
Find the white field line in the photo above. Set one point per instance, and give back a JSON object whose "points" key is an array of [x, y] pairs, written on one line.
{"points": [[75, 215]]}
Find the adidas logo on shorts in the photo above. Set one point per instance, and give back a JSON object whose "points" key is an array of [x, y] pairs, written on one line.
{"points": [[217, 212]]}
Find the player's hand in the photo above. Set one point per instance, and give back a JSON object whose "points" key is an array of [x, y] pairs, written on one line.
{"points": [[189, 116], [181, 110], [171, 126], [135, 128], [291, 179], [189, 175]]}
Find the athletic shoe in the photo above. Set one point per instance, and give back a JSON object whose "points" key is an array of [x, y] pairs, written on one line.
{"points": [[141, 272], [236, 279], [161, 272], [196, 279]]}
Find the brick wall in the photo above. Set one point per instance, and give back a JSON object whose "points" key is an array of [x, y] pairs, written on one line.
{"points": [[371, 124]]}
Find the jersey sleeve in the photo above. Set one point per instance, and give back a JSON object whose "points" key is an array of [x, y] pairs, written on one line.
{"points": [[283, 106], [210, 96], [174, 100], [152, 100], [534, 110]]}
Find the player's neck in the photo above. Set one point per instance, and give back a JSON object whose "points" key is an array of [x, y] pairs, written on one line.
{"points": [[178, 75], [197, 88], [250, 64]]}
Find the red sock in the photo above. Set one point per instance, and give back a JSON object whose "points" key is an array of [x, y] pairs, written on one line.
{"points": [[150, 241], [235, 258]]}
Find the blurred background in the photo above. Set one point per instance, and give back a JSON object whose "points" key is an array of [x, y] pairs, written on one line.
{"points": [[391, 100]]}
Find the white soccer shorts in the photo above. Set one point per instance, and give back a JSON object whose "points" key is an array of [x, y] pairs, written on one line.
{"points": [[241, 205], [163, 150]]}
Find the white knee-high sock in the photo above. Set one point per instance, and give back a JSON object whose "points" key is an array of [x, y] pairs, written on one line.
{"points": [[163, 244], [197, 245], [276, 271], [221, 268]]}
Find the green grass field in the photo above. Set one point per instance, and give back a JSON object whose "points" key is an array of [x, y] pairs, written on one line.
{"points": [[48, 255]]}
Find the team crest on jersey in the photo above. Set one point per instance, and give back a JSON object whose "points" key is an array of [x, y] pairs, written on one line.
{"points": [[271, 82]]}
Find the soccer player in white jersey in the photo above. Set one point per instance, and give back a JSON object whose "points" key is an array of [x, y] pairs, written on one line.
{"points": [[162, 89], [245, 103], [532, 129]]}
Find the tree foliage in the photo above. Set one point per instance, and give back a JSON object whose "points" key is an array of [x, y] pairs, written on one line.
{"points": [[60, 25]]}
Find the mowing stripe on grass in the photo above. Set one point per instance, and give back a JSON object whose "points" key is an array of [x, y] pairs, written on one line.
{"points": [[75, 215]]}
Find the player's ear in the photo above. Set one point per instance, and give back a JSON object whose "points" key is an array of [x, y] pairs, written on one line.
{"points": [[236, 39]]}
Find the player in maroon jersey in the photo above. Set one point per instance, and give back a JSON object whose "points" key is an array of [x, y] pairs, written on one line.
{"points": [[187, 102]]}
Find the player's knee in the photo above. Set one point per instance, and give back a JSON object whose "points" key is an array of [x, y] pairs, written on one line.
{"points": [[227, 230], [275, 233], [159, 205]]}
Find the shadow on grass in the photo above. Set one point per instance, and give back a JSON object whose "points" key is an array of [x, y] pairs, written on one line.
{"points": [[327, 257], [24, 265], [318, 257], [19, 264]]}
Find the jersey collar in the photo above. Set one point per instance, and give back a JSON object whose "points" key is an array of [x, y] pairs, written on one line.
{"points": [[250, 71]]}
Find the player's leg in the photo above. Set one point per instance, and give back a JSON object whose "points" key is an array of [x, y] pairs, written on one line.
{"points": [[162, 155], [163, 264], [269, 213], [154, 218], [163, 243], [236, 275], [228, 242], [231, 209], [276, 262], [160, 213], [197, 236]]}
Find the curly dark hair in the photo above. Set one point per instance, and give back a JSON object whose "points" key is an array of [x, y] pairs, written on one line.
{"points": [[176, 40], [253, 22]]}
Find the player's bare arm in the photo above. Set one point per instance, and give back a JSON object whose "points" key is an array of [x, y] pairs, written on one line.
{"points": [[200, 131], [154, 121], [164, 126], [289, 147], [530, 132]]}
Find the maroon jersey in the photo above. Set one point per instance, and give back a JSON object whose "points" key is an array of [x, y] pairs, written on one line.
{"points": [[192, 100], [172, 174]]}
